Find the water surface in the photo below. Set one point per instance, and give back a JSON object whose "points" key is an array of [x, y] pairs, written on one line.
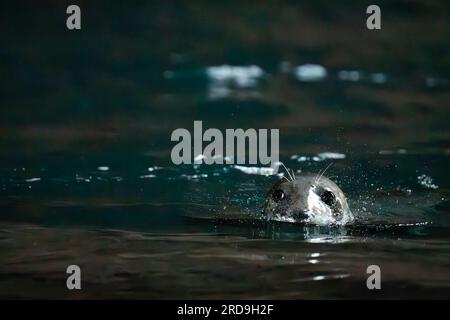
{"points": [[85, 170]]}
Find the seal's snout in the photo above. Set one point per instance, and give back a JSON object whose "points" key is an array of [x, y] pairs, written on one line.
{"points": [[300, 216]]}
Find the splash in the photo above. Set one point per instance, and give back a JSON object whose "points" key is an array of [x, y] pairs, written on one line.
{"points": [[426, 181]]}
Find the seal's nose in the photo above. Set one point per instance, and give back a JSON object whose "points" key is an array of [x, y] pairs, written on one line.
{"points": [[300, 215]]}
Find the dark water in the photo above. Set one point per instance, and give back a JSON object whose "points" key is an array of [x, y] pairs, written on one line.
{"points": [[85, 170]]}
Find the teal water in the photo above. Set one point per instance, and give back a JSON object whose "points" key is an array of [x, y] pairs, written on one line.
{"points": [[85, 170]]}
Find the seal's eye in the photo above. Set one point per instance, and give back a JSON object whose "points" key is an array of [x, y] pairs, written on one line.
{"points": [[328, 198], [278, 195]]}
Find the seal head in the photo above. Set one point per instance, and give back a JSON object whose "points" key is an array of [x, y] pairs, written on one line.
{"points": [[308, 199]]}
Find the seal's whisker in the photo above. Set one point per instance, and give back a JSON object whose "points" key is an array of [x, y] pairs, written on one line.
{"points": [[293, 173], [286, 179], [315, 179], [323, 172], [287, 171]]}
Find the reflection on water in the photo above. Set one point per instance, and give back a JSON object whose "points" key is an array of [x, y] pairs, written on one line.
{"points": [[120, 264], [85, 171]]}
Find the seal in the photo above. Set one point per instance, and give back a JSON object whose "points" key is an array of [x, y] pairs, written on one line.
{"points": [[309, 199]]}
